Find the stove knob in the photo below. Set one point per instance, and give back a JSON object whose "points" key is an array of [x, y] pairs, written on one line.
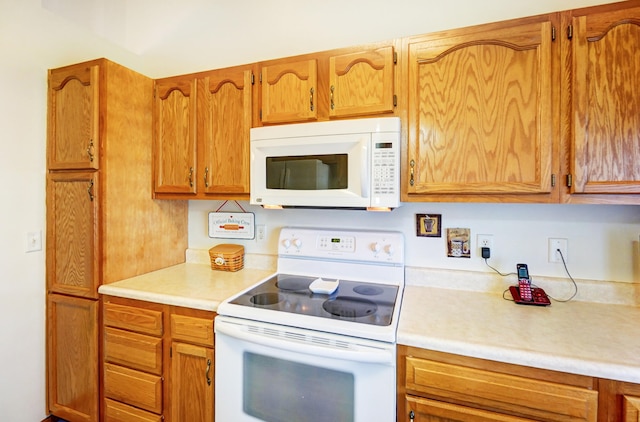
{"points": [[297, 243], [390, 249], [376, 247], [286, 243]]}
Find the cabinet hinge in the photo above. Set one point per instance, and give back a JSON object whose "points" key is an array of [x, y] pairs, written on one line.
{"points": [[553, 180], [260, 114], [395, 57], [570, 31], [260, 77], [253, 79], [569, 180], [553, 33], [170, 352], [395, 100]]}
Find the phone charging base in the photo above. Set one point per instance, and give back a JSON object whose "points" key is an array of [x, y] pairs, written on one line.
{"points": [[539, 297]]}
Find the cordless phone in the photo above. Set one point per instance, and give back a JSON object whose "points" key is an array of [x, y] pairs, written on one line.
{"points": [[524, 282], [523, 293]]}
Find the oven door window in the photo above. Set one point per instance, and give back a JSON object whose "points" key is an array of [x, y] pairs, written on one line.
{"points": [[307, 172], [309, 392]]}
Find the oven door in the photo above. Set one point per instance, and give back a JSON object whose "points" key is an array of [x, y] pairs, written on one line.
{"points": [[272, 373]]}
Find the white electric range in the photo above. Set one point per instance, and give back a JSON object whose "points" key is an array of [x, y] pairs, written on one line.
{"points": [[316, 340]]}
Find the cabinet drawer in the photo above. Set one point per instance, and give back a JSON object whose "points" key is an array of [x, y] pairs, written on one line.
{"points": [[133, 387], [192, 329], [131, 318], [133, 350], [118, 412], [433, 410], [531, 398]]}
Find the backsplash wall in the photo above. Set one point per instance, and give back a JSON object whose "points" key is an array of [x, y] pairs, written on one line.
{"points": [[602, 239]]}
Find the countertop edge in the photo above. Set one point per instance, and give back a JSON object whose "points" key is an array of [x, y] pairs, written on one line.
{"points": [[577, 366], [184, 302]]}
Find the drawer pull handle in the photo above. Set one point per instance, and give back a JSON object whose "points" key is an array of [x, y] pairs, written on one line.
{"points": [[90, 190], [90, 150]]}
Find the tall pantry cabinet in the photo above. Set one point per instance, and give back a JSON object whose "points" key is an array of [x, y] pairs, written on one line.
{"points": [[102, 223]]}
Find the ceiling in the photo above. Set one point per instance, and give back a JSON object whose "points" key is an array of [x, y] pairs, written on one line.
{"points": [[165, 37]]}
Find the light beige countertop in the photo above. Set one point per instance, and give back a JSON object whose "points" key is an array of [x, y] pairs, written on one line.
{"points": [[594, 339], [580, 337], [191, 285]]}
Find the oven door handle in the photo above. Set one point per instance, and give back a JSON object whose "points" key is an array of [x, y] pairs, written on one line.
{"points": [[363, 354]]}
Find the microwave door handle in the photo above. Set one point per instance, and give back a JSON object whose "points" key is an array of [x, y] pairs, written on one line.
{"points": [[369, 356], [365, 173]]}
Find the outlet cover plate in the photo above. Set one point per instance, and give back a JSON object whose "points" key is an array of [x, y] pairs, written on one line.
{"points": [[554, 245]]}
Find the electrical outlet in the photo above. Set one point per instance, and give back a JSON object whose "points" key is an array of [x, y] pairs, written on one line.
{"points": [[261, 230], [554, 245], [485, 241]]}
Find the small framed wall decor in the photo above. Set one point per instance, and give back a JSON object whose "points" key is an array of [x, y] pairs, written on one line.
{"points": [[429, 225]]}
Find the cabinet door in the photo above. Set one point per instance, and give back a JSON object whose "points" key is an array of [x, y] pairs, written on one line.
{"points": [[72, 244], [224, 119], [606, 102], [72, 357], [192, 383], [361, 83], [480, 110], [631, 409], [424, 410], [175, 136], [289, 91], [73, 130]]}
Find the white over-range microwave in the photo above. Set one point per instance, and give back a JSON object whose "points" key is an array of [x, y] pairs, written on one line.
{"points": [[335, 164]]}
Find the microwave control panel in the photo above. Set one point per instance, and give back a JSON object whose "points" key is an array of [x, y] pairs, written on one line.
{"points": [[386, 168]]}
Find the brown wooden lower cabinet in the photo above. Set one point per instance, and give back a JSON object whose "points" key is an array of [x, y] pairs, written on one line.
{"points": [[439, 387], [73, 374], [619, 401], [158, 362]]}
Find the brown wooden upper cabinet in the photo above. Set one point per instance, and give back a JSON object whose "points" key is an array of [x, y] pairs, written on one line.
{"points": [[333, 84], [289, 91], [175, 135], [481, 113], [73, 118], [603, 61], [201, 135], [224, 107]]}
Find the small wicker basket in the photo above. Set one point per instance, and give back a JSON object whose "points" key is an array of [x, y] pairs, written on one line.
{"points": [[227, 257]]}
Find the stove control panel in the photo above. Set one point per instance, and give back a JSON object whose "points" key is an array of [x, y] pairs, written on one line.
{"points": [[337, 243], [342, 244]]}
